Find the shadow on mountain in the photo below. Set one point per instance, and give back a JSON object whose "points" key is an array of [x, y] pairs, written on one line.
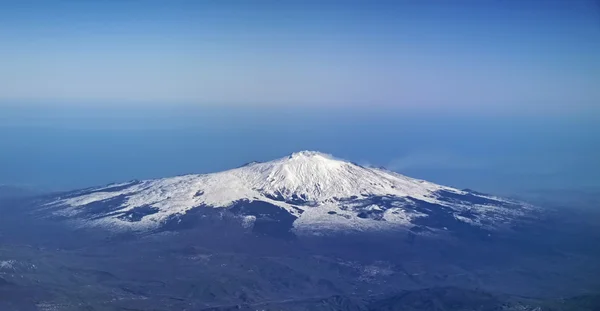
{"points": [[271, 220]]}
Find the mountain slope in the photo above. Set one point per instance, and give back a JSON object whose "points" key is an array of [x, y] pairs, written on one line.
{"points": [[311, 190]]}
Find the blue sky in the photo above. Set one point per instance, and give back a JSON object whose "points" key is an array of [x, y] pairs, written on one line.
{"points": [[500, 55], [500, 96]]}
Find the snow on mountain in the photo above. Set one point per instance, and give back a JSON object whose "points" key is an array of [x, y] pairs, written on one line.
{"points": [[318, 190]]}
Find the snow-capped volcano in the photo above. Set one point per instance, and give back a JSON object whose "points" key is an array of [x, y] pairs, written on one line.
{"points": [[315, 189], [317, 177]]}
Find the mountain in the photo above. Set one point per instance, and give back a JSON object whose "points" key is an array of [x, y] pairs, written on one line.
{"points": [[303, 232], [305, 193]]}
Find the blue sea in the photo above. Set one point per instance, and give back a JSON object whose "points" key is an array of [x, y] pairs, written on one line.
{"points": [[57, 147]]}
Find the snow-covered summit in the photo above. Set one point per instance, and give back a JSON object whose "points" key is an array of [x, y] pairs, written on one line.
{"points": [[310, 185], [319, 177]]}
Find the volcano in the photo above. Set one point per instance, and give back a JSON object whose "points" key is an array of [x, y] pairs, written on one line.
{"points": [[305, 192]]}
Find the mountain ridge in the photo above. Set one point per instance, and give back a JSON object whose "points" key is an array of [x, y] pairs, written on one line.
{"points": [[318, 190]]}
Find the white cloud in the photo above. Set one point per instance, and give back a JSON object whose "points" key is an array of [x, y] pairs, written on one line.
{"points": [[435, 160]]}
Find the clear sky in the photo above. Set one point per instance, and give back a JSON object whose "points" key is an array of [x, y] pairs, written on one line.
{"points": [[499, 96], [503, 55]]}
